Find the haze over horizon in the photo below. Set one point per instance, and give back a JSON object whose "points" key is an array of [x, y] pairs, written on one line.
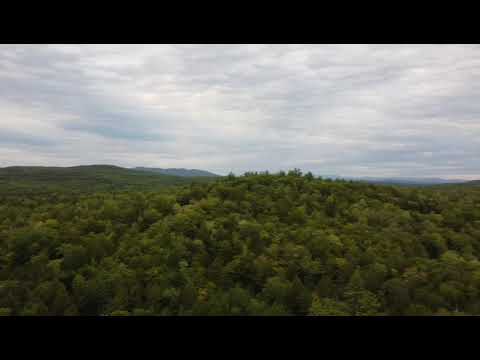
{"points": [[348, 110]]}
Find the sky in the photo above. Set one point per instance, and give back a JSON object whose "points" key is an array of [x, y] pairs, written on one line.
{"points": [[349, 110]]}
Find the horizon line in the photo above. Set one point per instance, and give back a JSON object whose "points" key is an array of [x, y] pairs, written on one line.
{"points": [[464, 178]]}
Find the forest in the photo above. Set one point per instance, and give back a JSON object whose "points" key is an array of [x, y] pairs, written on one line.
{"points": [[257, 244], [81, 179]]}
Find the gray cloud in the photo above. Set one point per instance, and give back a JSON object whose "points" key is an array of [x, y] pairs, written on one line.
{"points": [[393, 110]]}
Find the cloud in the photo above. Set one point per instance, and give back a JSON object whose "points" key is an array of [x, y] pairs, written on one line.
{"points": [[393, 110]]}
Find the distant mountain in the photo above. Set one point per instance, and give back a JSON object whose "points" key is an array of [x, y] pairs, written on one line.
{"points": [[178, 172], [395, 180], [408, 181]]}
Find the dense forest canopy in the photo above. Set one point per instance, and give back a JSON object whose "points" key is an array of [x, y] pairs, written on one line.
{"points": [[258, 244]]}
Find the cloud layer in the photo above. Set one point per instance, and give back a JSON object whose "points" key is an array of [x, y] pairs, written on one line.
{"points": [[353, 110]]}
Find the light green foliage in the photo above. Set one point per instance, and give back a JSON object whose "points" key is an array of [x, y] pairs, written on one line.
{"points": [[328, 307], [5, 311]]}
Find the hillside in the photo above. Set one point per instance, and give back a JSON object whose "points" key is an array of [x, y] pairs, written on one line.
{"points": [[83, 178], [179, 172], [258, 244], [474, 182]]}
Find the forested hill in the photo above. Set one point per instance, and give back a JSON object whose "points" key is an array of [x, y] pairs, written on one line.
{"points": [[83, 178], [473, 183], [285, 244], [179, 172]]}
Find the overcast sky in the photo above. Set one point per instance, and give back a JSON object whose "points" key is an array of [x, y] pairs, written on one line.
{"points": [[352, 110]]}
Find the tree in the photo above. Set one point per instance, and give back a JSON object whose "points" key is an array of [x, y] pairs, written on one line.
{"points": [[331, 206], [397, 295], [299, 298], [328, 307], [361, 301], [5, 311]]}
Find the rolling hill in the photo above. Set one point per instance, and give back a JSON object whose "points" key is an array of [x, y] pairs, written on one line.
{"points": [[85, 178]]}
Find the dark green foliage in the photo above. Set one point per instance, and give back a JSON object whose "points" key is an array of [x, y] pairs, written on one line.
{"points": [[259, 244]]}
